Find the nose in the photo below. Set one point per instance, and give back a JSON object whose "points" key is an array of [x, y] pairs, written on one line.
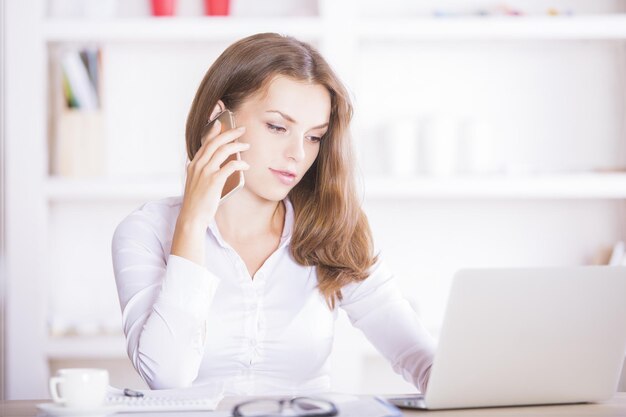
{"points": [[295, 148]]}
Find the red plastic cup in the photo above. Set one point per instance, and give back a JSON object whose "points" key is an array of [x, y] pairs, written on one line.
{"points": [[163, 7], [217, 7]]}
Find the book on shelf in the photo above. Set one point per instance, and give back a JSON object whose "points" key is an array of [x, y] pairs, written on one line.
{"points": [[91, 59], [80, 69], [77, 145], [618, 255]]}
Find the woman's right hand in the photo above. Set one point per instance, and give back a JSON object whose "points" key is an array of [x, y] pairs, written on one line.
{"points": [[206, 177]]}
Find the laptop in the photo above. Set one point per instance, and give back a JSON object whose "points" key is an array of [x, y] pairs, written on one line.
{"points": [[527, 336]]}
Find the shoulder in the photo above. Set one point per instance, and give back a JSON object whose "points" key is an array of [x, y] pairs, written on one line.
{"points": [[380, 282], [155, 218]]}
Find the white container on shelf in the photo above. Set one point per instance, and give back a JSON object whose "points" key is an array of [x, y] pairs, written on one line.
{"points": [[99, 9], [438, 146], [477, 148], [401, 143]]}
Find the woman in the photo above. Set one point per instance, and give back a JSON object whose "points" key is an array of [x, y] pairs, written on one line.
{"points": [[245, 293]]}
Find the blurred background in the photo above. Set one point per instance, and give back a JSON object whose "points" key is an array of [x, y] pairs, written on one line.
{"points": [[488, 134]]}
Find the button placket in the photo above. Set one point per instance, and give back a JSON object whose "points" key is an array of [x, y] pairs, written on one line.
{"points": [[252, 353], [254, 336], [243, 269]]}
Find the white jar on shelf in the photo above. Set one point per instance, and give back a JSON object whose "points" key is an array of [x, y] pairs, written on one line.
{"points": [[402, 136], [99, 9], [438, 146], [477, 148]]}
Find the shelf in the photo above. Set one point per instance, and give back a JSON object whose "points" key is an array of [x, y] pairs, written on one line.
{"points": [[570, 186], [177, 29], [562, 186], [83, 347], [494, 28], [64, 190]]}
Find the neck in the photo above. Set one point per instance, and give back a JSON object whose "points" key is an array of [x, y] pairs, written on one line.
{"points": [[245, 216]]}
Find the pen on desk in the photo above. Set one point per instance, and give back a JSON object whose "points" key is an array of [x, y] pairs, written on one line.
{"points": [[132, 393]]}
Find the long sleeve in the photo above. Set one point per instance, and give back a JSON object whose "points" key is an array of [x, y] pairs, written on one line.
{"points": [[165, 300], [376, 307]]}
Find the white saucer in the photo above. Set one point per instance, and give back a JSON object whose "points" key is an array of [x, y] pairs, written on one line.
{"points": [[54, 409]]}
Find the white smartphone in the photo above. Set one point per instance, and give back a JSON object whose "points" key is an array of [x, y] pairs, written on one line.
{"points": [[235, 181]]}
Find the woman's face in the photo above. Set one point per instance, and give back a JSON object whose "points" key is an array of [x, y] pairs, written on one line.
{"points": [[283, 127]]}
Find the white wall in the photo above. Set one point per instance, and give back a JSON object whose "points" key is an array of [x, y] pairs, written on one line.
{"points": [[26, 368]]}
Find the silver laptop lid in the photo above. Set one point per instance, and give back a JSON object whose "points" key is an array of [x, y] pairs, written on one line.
{"points": [[530, 336]]}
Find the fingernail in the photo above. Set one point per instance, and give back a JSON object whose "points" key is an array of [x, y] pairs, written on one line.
{"points": [[241, 128]]}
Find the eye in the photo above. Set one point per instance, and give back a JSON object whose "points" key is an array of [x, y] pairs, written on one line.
{"points": [[275, 128], [317, 139]]}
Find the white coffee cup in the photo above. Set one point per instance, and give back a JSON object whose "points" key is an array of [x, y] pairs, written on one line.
{"points": [[79, 387]]}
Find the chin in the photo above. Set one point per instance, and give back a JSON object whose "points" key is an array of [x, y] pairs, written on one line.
{"points": [[275, 194], [270, 191]]}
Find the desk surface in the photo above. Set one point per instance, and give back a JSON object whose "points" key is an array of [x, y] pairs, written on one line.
{"points": [[616, 407]]}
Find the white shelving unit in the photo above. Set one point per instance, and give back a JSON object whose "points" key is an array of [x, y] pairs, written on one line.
{"points": [[584, 200]]}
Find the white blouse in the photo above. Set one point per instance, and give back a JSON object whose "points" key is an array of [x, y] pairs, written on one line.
{"points": [[188, 324]]}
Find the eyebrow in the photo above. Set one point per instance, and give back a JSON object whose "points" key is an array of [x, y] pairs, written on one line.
{"points": [[290, 119]]}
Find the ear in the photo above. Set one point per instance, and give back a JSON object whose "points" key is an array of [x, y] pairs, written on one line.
{"points": [[217, 109]]}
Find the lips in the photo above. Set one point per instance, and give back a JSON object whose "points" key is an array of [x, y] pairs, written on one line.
{"points": [[285, 177]]}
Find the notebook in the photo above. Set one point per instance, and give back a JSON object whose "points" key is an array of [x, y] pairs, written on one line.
{"points": [[529, 336], [198, 398]]}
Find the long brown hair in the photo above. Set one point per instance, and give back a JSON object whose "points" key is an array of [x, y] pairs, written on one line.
{"points": [[331, 231]]}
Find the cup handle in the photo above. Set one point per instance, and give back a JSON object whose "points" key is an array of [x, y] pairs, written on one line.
{"points": [[54, 383]]}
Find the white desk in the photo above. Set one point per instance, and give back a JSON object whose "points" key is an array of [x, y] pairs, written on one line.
{"points": [[616, 407]]}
